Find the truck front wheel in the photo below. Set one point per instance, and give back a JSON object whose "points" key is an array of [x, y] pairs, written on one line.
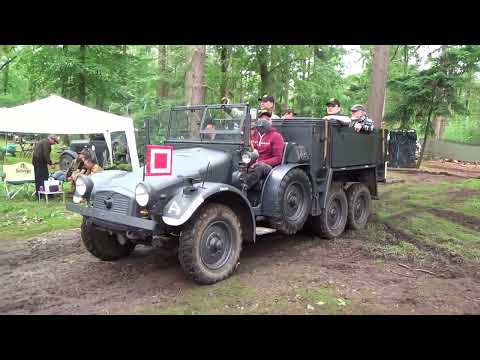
{"points": [[210, 244], [103, 245], [331, 222], [358, 197]]}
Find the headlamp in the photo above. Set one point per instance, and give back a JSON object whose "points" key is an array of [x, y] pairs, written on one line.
{"points": [[142, 195]]}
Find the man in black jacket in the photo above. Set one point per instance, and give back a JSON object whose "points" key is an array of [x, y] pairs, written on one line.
{"points": [[41, 159]]}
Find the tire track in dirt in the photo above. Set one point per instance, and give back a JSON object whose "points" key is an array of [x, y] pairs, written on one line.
{"points": [[54, 274]]}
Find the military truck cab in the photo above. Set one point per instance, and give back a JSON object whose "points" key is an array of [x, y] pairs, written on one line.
{"points": [[202, 206]]}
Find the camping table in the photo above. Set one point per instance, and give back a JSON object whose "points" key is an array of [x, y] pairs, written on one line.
{"points": [[46, 193]]}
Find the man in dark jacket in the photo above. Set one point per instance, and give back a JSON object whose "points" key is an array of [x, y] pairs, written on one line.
{"points": [[269, 143], [333, 112], [41, 159]]}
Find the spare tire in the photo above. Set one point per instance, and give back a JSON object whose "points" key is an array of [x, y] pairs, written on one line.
{"points": [[294, 202]]}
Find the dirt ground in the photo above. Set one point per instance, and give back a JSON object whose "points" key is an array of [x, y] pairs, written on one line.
{"points": [[462, 169], [302, 274]]}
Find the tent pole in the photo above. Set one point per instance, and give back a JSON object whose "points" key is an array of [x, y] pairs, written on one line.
{"points": [[147, 142]]}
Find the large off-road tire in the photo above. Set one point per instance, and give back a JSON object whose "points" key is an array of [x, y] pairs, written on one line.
{"points": [[332, 221], [102, 245], [359, 199], [210, 244], [294, 202]]}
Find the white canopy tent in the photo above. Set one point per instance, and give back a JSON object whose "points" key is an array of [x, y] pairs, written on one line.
{"points": [[56, 115]]}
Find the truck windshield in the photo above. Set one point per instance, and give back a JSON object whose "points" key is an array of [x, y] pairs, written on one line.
{"points": [[207, 124]]}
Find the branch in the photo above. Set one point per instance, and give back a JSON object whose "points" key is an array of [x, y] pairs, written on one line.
{"points": [[7, 62], [429, 55], [395, 53]]}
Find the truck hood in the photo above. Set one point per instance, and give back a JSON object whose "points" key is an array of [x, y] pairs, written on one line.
{"points": [[191, 162]]}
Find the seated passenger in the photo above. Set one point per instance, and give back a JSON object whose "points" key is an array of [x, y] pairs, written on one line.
{"points": [[91, 166], [333, 112], [289, 113], [269, 144], [78, 165], [360, 121]]}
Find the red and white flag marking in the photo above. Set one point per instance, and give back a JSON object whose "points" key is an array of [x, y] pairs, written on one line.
{"points": [[159, 160]]}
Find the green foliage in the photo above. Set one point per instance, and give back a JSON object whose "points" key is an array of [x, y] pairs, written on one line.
{"points": [[140, 81]]}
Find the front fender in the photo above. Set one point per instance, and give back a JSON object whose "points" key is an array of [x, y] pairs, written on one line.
{"points": [[182, 206], [272, 184]]}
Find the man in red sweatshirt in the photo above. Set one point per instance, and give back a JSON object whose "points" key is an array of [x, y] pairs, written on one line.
{"points": [[269, 143]]}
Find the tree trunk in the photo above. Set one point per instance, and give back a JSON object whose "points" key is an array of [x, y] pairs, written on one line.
{"points": [[376, 98], [162, 89], [427, 129], [194, 79], [100, 102], [5, 78], [223, 70], [82, 86], [63, 89], [266, 76], [285, 99]]}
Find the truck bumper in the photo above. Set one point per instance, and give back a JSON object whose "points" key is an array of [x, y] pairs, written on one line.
{"points": [[114, 221]]}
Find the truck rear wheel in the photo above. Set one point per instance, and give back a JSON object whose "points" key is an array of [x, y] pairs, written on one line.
{"points": [[359, 199], [294, 202], [210, 244], [103, 245], [331, 222]]}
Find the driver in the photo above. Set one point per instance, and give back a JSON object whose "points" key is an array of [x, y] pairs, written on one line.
{"points": [[210, 128], [269, 144]]}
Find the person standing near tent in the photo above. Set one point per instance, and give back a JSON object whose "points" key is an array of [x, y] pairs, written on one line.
{"points": [[41, 159]]}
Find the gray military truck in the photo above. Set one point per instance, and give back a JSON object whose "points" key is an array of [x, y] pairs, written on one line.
{"points": [[203, 209]]}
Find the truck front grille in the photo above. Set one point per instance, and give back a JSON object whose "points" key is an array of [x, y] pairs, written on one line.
{"points": [[119, 203]]}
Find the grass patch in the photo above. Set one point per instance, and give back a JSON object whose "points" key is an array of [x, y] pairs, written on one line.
{"points": [[227, 297], [323, 299], [405, 206], [24, 217], [446, 234], [402, 250]]}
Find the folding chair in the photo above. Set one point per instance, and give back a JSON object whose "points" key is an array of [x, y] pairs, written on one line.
{"points": [[21, 175]]}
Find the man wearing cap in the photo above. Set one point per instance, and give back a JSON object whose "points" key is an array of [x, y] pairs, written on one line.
{"points": [[268, 102], [333, 112], [360, 121], [41, 159], [268, 143]]}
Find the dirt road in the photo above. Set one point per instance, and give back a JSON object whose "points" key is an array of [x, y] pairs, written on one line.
{"points": [[302, 274], [56, 275]]}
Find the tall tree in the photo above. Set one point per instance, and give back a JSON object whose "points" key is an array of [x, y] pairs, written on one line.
{"points": [[376, 98], [82, 85], [194, 79], [162, 89]]}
